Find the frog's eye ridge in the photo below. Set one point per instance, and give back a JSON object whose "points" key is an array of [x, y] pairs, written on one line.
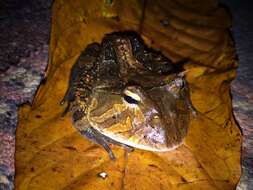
{"points": [[130, 99]]}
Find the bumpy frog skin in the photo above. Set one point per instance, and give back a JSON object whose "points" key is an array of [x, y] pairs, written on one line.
{"points": [[123, 93]]}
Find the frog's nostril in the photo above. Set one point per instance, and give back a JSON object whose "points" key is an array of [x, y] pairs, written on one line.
{"points": [[155, 121], [156, 117]]}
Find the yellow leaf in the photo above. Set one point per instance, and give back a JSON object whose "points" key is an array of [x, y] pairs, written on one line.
{"points": [[51, 154]]}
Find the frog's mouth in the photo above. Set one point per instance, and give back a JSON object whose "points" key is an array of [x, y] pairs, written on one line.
{"points": [[137, 142]]}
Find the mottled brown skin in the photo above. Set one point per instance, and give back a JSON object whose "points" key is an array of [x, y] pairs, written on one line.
{"points": [[123, 93]]}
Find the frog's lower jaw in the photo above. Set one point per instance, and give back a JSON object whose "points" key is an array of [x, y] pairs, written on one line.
{"points": [[155, 148], [104, 140]]}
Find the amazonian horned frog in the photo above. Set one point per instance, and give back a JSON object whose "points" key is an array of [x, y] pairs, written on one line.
{"points": [[122, 92]]}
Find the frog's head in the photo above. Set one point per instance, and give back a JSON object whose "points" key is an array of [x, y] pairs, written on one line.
{"points": [[145, 119]]}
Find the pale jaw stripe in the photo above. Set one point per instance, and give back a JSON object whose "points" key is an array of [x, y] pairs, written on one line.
{"points": [[140, 146]]}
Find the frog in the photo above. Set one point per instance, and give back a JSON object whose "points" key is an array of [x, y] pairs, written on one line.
{"points": [[124, 93]]}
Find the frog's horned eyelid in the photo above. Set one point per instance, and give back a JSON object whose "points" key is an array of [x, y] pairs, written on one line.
{"points": [[132, 95]]}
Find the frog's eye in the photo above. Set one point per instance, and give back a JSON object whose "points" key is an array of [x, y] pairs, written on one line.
{"points": [[131, 97], [130, 100]]}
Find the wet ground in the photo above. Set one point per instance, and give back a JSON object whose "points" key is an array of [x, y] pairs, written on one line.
{"points": [[242, 86], [24, 39]]}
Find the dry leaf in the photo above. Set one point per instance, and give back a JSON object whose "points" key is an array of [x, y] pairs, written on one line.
{"points": [[51, 154]]}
